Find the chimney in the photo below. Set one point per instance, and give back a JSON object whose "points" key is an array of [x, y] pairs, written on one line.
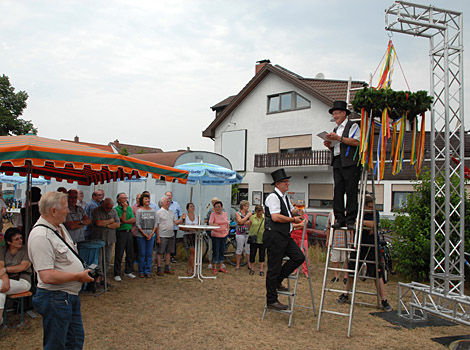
{"points": [[261, 64], [76, 139], [116, 142]]}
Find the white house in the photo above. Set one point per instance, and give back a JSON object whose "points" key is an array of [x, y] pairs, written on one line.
{"points": [[273, 122]]}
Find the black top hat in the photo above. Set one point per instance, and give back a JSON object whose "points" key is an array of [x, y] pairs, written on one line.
{"points": [[340, 105], [279, 175]]}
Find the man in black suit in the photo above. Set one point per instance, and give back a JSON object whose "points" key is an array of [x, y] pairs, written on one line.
{"points": [[343, 143], [278, 226]]}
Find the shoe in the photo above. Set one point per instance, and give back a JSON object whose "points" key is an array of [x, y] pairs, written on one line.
{"points": [[223, 270], [130, 275], [334, 280], [337, 225], [252, 272], [345, 280], [173, 260], [281, 288], [261, 273], [117, 278], [223, 266], [386, 306], [277, 306], [214, 271], [343, 298], [161, 274], [237, 269], [141, 275], [148, 275], [209, 266], [169, 272]]}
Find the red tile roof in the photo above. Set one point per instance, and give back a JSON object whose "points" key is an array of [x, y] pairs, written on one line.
{"points": [[325, 90]]}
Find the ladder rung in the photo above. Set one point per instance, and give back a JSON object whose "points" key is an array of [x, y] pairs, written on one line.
{"points": [[292, 277], [364, 292], [366, 278], [364, 261], [344, 249], [340, 269], [365, 304], [290, 294], [367, 245], [335, 313], [335, 290], [281, 311]]}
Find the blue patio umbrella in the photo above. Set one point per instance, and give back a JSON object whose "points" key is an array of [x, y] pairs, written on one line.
{"points": [[209, 174], [19, 180]]}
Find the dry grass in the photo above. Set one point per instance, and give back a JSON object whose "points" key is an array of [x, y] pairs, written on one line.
{"points": [[164, 312]]}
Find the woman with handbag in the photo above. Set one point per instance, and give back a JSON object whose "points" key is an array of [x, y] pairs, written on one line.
{"points": [[242, 218], [15, 267], [256, 239]]}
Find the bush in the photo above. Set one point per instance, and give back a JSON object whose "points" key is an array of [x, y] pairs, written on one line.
{"points": [[412, 239]]}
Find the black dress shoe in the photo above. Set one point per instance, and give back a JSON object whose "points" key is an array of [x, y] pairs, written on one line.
{"points": [[277, 306], [281, 288], [338, 225]]}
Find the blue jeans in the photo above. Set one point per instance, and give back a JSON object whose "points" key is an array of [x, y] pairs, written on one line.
{"points": [[61, 319], [218, 249], [145, 254]]}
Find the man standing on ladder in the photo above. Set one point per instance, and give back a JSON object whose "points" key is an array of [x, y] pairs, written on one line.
{"points": [[278, 226], [343, 142]]}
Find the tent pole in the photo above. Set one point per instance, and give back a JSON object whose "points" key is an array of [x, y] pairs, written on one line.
{"points": [[28, 210]]}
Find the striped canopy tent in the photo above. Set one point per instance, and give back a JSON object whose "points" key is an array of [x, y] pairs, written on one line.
{"points": [[74, 162]]}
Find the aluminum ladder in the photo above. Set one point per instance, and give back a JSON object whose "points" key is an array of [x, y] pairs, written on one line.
{"points": [[355, 246], [292, 288]]}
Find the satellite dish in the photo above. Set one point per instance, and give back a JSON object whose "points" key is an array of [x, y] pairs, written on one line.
{"points": [[320, 76]]}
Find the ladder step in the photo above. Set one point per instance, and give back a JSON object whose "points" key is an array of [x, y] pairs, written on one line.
{"points": [[335, 290], [364, 261], [364, 292], [344, 249], [280, 311], [339, 269], [335, 313], [289, 294], [364, 304], [292, 277]]}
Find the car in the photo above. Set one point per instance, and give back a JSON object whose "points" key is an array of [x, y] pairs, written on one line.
{"points": [[316, 227]]}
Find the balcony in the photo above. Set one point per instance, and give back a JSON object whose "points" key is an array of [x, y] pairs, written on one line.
{"points": [[300, 160]]}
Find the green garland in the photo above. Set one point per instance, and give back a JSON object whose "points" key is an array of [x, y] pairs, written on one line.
{"points": [[398, 102]]}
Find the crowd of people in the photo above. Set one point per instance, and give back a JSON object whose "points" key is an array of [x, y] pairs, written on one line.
{"points": [[144, 234]]}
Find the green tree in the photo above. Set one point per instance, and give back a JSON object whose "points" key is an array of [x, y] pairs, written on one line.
{"points": [[11, 107], [124, 151], [412, 241]]}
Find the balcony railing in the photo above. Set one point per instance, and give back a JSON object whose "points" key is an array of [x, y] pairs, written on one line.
{"points": [[300, 158]]}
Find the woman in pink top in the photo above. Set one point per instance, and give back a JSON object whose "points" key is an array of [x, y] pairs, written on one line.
{"points": [[218, 236]]}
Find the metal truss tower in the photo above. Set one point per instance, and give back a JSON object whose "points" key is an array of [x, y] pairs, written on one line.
{"points": [[445, 295]]}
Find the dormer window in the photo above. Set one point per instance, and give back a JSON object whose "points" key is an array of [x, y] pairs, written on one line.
{"points": [[288, 101]]}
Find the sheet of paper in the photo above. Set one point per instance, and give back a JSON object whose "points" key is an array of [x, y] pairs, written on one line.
{"points": [[322, 135]]}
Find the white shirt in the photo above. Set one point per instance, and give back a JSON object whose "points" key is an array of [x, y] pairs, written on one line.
{"points": [[47, 251], [274, 205], [354, 133]]}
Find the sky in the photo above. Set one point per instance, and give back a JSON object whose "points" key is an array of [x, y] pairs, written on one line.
{"points": [[146, 72]]}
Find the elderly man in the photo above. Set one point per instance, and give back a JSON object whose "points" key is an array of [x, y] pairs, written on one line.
{"points": [[166, 220], [343, 142], [60, 275], [96, 199], [80, 201], [124, 238], [76, 219], [105, 223], [175, 208], [279, 217]]}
